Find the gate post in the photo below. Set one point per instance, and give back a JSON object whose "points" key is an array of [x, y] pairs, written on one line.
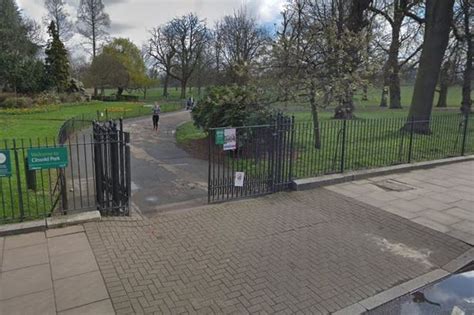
{"points": [[128, 170], [291, 146], [410, 147], [210, 133], [98, 165], [343, 150], [62, 182], [114, 158], [463, 147], [18, 181]]}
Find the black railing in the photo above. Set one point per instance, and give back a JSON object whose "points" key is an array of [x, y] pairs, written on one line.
{"points": [[303, 149], [337, 146], [27, 194]]}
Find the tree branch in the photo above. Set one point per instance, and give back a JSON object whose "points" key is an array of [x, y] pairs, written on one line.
{"points": [[414, 17], [382, 13], [411, 56]]}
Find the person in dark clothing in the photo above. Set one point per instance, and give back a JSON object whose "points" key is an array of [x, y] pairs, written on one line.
{"points": [[189, 104], [156, 116]]}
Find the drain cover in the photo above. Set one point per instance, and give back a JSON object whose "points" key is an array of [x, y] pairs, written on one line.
{"points": [[393, 185]]}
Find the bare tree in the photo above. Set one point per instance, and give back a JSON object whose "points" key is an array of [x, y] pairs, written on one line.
{"points": [[92, 22], [190, 39], [162, 50], [57, 13], [447, 74], [317, 55], [438, 17], [394, 12], [240, 43], [462, 28]]}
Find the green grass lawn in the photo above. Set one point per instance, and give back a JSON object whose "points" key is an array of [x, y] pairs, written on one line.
{"points": [[156, 94], [372, 103], [188, 132], [47, 124]]}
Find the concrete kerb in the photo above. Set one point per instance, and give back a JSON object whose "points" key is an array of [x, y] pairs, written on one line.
{"points": [[315, 182], [52, 222], [395, 292]]}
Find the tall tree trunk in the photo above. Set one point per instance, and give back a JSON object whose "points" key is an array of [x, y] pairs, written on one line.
{"points": [[395, 90], [356, 22], [94, 52], [443, 85], [394, 66], [384, 97], [165, 85], [144, 93], [443, 95], [314, 114], [365, 96], [467, 75], [183, 88], [439, 14], [119, 92]]}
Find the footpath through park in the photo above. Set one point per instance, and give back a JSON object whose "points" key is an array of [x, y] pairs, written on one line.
{"points": [[163, 173]]}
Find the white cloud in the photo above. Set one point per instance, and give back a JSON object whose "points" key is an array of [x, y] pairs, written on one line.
{"points": [[267, 10], [132, 18]]}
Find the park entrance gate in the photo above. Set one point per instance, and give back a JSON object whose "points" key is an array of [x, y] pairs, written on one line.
{"points": [[112, 168], [250, 161]]}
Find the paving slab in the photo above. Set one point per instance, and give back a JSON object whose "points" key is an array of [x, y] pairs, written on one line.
{"points": [[26, 256], [2, 242], [460, 213], [25, 240], [79, 290], [68, 244], [72, 264], [441, 198], [25, 281], [466, 226], [38, 274], [39, 303], [432, 224], [64, 231], [97, 308], [439, 216]]}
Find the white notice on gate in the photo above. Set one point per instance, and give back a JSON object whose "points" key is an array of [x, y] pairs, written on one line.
{"points": [[239, 179], [230, 139]]}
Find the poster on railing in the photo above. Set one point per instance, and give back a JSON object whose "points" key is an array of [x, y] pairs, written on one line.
{"points": [[239, 179], [230, 139], [5, 165]]}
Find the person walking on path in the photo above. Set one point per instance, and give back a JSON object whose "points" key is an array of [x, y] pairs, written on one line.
{"points": [[156, 115], [189, 104]]}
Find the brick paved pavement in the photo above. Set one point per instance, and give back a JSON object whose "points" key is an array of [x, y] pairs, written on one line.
{"points": [[441, 198], [312, 252]]}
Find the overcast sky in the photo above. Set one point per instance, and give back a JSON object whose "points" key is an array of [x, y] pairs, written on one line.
{"points": [[132, 18]]}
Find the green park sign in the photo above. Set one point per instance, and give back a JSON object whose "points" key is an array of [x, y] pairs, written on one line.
{"points": [[45, 158], [5, 164], [219, 136]]}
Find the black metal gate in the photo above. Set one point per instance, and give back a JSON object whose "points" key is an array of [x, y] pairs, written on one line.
{"points": [[250, 161], [112, 168]]}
